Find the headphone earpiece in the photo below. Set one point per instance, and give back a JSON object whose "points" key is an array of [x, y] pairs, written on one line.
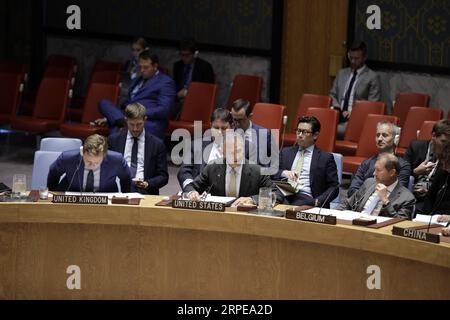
{"points": [[196, 53], [81, 151], [396, 139]]}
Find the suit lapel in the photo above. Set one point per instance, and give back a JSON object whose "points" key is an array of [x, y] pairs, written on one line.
{"points": [[314, 161], [370, 190], [290, 157], [220, 176], [122, 142], [246, 180], [80, 174]]}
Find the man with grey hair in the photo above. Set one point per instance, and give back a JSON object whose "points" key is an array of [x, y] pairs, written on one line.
{"points": [[386, 139], [383, 195]]}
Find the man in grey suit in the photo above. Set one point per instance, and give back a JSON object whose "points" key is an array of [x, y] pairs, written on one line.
{"points": [[357, 82], [232, 177], [383, 195]]}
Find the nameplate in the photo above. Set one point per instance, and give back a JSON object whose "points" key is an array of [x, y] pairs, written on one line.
{"points": [[416, 234], [198, 205], [62, 198], [310, 217]]}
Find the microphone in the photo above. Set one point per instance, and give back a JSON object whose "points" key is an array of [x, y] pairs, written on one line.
{"points": [[437, 203], [285, 119], [73, 176], [205, 193], [357, 202], [326, 199]]}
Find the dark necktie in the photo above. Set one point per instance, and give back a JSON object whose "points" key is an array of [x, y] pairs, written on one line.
{"points": [[187, 69], [134, 154], [90, 182], [349, 90]]}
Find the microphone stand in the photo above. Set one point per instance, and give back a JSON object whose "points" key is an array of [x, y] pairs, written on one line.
{"points": [[326, 199]]}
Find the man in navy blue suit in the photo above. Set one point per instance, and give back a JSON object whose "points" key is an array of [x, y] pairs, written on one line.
{"points": [[153, 89], [143, 152], [258, 140], [91, 169], [311, 171]]}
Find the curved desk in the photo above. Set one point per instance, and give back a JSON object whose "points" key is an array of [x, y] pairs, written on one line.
{"points": [[149, 252]]}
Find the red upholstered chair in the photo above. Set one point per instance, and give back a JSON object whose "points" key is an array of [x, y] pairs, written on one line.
{"points": [[52, 99], [416, 116], [406, 100], [245, 87], [97, 92], [58, 60], [360, 110], [14, 67], [306, 101], [269, 116], [10, 92], [328, 119], [366, 144], [103, 65], [197, 106], [426, 130]]}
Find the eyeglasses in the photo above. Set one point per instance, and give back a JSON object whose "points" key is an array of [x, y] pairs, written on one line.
{"points": [[303, 132]]}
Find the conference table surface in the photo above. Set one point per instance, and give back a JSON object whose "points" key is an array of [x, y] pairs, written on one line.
{"points": [[153, 252]]}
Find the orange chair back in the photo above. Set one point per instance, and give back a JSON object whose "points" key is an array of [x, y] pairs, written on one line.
{"points": [[367, 146], [52, 99], [416, 116], [309, 100], [97, 92], [269, 116], [199, 102], [360, 110], [10, 92], [106, 76], [328, 119], [406, 100], [426, 130], [103, 65], [58, 60], [245, 87]]}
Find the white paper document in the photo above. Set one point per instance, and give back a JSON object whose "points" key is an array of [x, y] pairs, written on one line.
{"points": [[211, 198], [347, 214], [130, 195], [426, 219]]}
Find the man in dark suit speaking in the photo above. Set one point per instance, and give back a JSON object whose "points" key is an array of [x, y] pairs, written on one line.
{"points": [[92, 169], [232, 177], [143, 152]]}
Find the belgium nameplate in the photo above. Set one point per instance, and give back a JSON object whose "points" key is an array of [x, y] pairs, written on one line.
{"points": [[198, 205], [310, 217], [416, 234], [62, 198]]}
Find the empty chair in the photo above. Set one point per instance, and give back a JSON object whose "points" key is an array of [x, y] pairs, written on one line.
{"points": [[51, 102], [106, 76], [366, 144], [59, 60], [59, 144], [269, 116], [14, 67], [103, 65], [197, 106], [355, 125], [306, 101], [97, 92], [245, 87], [406, 100], [10, 92], [328, 119], [416, 116], [426, 130], [41, 165], [338, 158]]}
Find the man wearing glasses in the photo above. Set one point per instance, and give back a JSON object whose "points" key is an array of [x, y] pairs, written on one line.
{"points": [[311, 171]]}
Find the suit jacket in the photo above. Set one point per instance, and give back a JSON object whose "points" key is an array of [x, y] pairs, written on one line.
{"points": [[323, 176], [437, 200], [155, 160], [213, 176], [71, 164], [197, 161], [255, 151], [416, 153], [366, 169], [367, 88], [203, 72], [157, 96], [401, 200]]}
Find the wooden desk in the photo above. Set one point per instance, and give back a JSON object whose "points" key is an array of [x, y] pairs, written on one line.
{"points": [[148, 252]]}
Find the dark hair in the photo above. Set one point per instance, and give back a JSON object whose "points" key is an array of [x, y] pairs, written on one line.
{"points": [[221, 114], [315, 124], [442, 127], [242, 103], [188, 44], [141, 42], [146, 55], [391, 162], [359, 46]]}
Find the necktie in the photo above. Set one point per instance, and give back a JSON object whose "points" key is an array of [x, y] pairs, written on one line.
{"points": [[299, 165], [371, 203], [90, 182], [349, 90], [136, 88], [187, 69], [134, 154], [232, 187]]}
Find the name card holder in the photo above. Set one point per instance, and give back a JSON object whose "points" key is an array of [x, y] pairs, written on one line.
{"points": [[363, 222], [310, 217], [92, 200], [126, 200], [416, 234], [199, 205]]}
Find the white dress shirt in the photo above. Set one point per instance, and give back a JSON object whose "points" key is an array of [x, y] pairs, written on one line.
{"points": [[140, 156], [352, 93], [375, 203], [304, 185]]}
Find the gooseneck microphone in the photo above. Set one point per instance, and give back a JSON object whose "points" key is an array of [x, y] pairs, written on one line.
{"points": [[443, 189], [73, 176], [326, 199]]}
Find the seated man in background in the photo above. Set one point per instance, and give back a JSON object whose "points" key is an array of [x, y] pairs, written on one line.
{"points": [[387, 137], [153, 89], [144, 153], [422, 157], [91, 168], [210, 149], [189, 69], [382, 195], [357, 82], [231, 176], [313, 170]]}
